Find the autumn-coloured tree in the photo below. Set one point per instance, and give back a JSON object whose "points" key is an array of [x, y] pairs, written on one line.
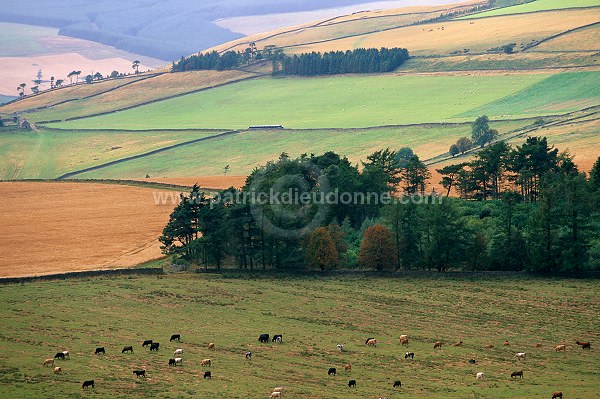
{"points": [[378, 248], [320, 250]]}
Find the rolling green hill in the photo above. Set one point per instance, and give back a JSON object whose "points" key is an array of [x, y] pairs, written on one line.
{"points": [[534, 6]]}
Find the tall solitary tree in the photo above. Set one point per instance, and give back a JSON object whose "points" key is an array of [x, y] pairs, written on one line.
{"points": [[136, 65]]}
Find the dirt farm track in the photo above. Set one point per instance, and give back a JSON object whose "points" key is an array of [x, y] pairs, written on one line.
{"points": [[58, 227]]}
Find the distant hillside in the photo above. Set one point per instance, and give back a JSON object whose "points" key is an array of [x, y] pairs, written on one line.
{"points": [[164, 29]]}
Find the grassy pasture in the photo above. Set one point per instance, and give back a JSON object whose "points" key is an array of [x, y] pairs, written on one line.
{"points": [[327, 102], [23, 40], [313, 314], [148, 90], [587, 39], [537, 5], [244, 151], [47, 154]]}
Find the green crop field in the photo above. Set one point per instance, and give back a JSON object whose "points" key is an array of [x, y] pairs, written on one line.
{"points": [[354, 101], [537, 5], [244, 151], [49, 154], [314, 314]]}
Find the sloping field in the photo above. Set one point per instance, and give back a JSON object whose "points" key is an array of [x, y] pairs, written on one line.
{"points": [[587, 39], [476, 35], [556, 94], [47, 154], [162, 86], [314, 314], [68, 92], [57, 227], [534, 6], [244, 151], [355, 101]]}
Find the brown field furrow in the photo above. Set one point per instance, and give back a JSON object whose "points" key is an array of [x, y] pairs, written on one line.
{"points": [[58, 227]]}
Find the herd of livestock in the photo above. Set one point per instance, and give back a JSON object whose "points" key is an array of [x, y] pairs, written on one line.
{"points": [[277, 392]]}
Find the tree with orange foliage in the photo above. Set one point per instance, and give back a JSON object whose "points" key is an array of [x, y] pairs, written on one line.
{"points": [[321, 252], [378, 249]]}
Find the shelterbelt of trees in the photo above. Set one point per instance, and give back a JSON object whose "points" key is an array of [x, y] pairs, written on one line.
{"points": [[306, 64], [526, 207]]}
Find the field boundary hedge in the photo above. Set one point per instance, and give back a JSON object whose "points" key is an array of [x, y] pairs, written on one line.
{"points": [[147, 271]]}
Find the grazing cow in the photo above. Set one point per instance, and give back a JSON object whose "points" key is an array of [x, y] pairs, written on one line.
{"points": [[67, 355], [404, 341], [275, 395], [154, 346], [352, 383], [140, 373], [249, 355], [171, 362], [99, 350], [127, 349], [472, 361], [506, 343], [263, 338], [59, 355], [205, 362], [340, 347], [179, 360], [332, 370], [278, 389], [89, 383], [211, 346], [489, 346], [348, 367], [459, 343], [409, 354], [560, 348], [480, 376], [278, 338], [175, 337], [516, 374], [178, 352], [368, 339], [584, 345], [57, 370], [147, 342], [437, 345], [404, 336], [521, 355], [372, 342], [208, 374], [397, 384], [48, 362], [556, 394]]}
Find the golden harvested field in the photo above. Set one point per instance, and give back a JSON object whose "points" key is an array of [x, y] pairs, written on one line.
{"points": [[445, 37], [587, 39], [58, 227], [161, 86], [67, 92]]}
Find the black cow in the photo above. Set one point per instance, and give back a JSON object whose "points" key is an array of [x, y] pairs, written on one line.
{"points": [[409, 354], [249, 355], [208, 375], [263, 338], [147, 342], [175, 337], [277, 338], [397, 384], [140, 373], [127, 349], [59, 355], [99, 350], [89, 383], [352, 383], [472, 361], [171, 362], [332, 370], [516, 374], [154, 346]]}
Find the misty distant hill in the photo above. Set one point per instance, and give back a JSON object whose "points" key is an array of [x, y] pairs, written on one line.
{"points": [[164, 29]]}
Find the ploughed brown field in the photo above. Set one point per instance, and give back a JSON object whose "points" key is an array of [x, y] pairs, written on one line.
{"points": [[59, 227], [216, 182]]}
